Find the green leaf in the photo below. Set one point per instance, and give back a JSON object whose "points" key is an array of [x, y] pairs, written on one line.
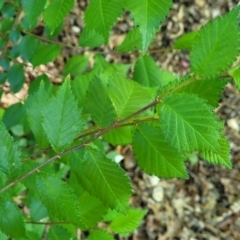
{"points": [[119, 136], [128, 96], [56, 11], [80, 86], [148, 74], [155, 155], [216, 46], [209, 89], [37, 210], [16, 77], [186, 41], [148, 15], [34, 86], [45, 54], [10, 161], [99, 104], [35, 105], [125, 224], [76, 65], [32, 10], [188, 123], [90, 38], [221, 157], [92, 209], [11, 220], [62, 118], [59, 199], [110, 183], [99, 234], [236, 78], [14, 115], [59, 233], [100, 15], [27, 52], [132, 41], [3, 78]]}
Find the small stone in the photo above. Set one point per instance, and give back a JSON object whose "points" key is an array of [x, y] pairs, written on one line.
{"points": [[153, 181], [232, 123], [158, 194], [76, 29]]}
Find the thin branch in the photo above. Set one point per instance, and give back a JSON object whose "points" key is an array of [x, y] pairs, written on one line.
{"points": [[47, 223], [100, 133]]}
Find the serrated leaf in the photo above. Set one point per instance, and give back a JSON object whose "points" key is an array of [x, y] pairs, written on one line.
{"points": [[99, 234], [16, 77], [76, 65], [131, 42], [155, 155], [62, 118], [148, 74], [59, 233], [119, 136], [99, 104], [221, 157], [11, 223], [216, 46], [56, 11], [90, 38], [148, 15], [10, 161], [186, 41], [209, 89], [37, 210], [125, 224], [100, 15], [110, 185], [188, 123], [35, 105], [80, 85], [92, 209], [32, 10], [45, 54], [59, 199], [128, 96]]}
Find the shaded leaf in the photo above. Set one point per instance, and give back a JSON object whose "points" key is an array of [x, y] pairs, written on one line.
{"points": [[32, 10], [11, 224], [99, 104], [16, 77], [59, 233], [186, 41], [35, 105]]}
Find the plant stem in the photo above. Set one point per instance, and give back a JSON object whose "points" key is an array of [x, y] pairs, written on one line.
{"points": [[100, 133]]}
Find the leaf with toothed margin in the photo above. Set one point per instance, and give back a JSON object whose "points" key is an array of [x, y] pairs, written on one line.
{"points": [[62, 118], [188, 123], [155, 155], [221, 157], [216, 46]]}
